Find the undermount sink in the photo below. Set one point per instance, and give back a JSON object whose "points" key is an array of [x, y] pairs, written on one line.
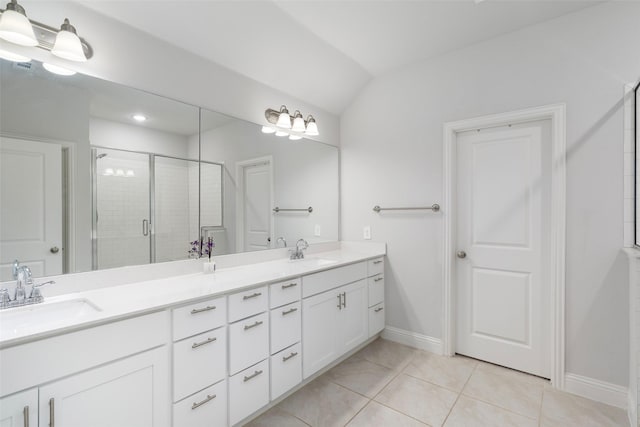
{"points": [[315, 262], [46, 313]]}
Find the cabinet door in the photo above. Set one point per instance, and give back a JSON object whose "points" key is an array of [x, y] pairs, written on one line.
{"points": [[20, 409], [319, 329], [131, 392], [353, 327]]}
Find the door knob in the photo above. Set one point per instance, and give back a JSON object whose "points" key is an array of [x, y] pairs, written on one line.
{"points": [[54, 250], [461, 254]]}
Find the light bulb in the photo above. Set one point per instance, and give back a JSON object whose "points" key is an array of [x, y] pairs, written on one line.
{"points": [[58, 70], [15, 26], [268, 129], [68, 44]]}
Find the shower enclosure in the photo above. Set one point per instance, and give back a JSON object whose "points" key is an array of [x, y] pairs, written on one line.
{"points": [[146, 206]]}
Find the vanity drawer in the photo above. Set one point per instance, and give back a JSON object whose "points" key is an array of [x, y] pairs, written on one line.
{"points": [[376, 319], [248, 342], [376, 289], [286, 370], [330, 279], [247, 303], [199, 362], [286, 326], [248, 391], [204, 409], [375, 266], [285, 292], [199, 317]]}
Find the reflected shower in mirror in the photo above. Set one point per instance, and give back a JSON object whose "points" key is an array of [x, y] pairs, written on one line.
{"points": [[97, 175]]}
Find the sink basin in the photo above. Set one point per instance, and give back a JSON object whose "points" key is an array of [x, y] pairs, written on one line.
{"points": [[315, 262], [31, 317]]}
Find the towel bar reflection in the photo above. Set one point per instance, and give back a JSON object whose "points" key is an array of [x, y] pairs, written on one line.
{"points": [[277, 209], [435, 207]]}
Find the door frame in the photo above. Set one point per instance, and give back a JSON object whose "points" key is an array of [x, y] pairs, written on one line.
{"points": [[556, 258], [240, 166]]}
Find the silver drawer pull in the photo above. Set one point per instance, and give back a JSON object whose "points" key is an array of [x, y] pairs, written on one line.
{"points": [[252, 376], [202, 310], [377, 262], [52, 412], [293, 354], [25, 415], [253, 295], [377, 279], [257, 323], [291, 310], [290, 285], [379, 309], [205, 342], [209, 398]]}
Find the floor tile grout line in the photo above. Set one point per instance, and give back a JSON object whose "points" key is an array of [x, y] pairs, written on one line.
{"points": [[356, 414], [400, 412], [289, 413], [459, 394]]}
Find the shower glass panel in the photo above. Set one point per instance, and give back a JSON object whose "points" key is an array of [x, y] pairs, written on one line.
{"points": [[176, 202], [122, 214]]}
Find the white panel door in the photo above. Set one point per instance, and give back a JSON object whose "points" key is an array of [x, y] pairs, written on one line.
{"points": [[257, 207], [502, 228], [31, 206]]}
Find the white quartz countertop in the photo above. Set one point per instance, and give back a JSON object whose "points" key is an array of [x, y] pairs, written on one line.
{"points": [[24, 324]]}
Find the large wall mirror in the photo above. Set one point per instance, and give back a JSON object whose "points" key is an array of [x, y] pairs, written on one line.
{"points": [[85, 184]]}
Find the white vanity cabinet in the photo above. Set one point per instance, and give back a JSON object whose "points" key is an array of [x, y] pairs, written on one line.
{"points": [[334, 321], [113, 374], [375, 274], [20, 409]]}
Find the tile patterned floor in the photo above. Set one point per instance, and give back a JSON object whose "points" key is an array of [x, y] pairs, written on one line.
{"points": [[388, 384]]}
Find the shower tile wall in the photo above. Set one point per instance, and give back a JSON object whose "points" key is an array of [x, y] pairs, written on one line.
{"points": [[123, 202], [211, 201], [176, 214]]}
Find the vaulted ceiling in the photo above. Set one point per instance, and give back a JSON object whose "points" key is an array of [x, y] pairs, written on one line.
{"points": [[325, 51]]}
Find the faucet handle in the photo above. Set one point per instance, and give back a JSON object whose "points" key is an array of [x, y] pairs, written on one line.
{"points": [[35, 291], [4, 297]]}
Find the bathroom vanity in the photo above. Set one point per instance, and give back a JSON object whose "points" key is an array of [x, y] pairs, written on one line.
{"points": [[189, 350]]}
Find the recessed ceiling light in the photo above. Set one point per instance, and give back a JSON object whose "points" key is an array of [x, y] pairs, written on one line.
{"points": [[139, 117]]}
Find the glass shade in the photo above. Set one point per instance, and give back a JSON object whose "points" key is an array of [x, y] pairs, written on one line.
{"points": [[58, 70], [298, 124], [68, 46], [284, 121], [14, 57], [312, 128], [16, 28]]}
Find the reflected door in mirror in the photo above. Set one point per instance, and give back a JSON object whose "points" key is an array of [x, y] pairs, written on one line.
{"points": [[31, 201], [256, 202]]}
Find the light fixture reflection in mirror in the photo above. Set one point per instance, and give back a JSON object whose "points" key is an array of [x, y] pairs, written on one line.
{"points": [[13, 57], [61, 71]]}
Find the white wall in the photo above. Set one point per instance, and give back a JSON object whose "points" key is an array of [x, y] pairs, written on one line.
{"points": [[127, 56], [391, 138]]}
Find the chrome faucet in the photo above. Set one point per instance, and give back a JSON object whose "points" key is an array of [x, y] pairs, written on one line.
{"points": [[22, 275], [298, 253], [283, 240]]}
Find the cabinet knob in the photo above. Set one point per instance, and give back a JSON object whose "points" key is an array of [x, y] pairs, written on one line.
{"points": [[461, 254], [54, 250]]}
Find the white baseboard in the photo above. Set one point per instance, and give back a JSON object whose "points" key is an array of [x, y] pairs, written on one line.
{"points": [[632, 410], [413, 339], [597, 390]]}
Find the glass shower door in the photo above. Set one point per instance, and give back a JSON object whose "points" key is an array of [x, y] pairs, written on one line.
{"points": [[122, 213]]}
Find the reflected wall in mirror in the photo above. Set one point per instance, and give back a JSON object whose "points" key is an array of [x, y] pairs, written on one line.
{"points": [[84, 186], [262, 172]]}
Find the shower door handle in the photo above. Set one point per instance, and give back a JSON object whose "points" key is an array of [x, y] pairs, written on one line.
{"points": [[145, 227]]}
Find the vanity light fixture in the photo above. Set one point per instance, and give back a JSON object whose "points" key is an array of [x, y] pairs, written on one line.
{"points": [[295, 125], [64, 43]]}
